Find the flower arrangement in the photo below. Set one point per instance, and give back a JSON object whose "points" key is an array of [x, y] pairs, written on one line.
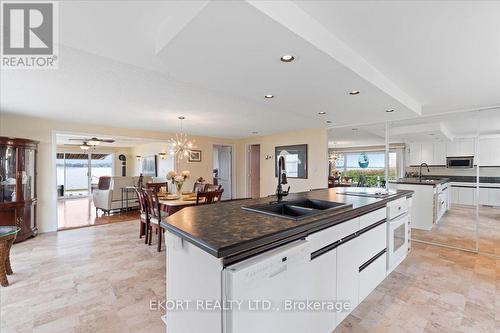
{"points": [[178, 180]]}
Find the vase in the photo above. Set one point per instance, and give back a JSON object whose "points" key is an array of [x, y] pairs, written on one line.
{"points": [[179, 188]]}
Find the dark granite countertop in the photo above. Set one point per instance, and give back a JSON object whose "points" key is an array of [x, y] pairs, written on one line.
{"points": [[425, 181], [226, 230]]}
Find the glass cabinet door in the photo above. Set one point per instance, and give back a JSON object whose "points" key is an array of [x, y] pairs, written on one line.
{"points": [[7, 174], [28, 173]]}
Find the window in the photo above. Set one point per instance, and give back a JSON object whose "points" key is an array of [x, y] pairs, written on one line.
{"points": [[371, 165]]}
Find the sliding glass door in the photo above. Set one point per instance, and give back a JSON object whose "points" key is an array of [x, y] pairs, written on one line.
{"points": [[78, 173]]}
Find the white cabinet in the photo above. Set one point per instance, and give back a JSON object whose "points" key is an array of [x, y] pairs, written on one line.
{"points": [[489, 152], [371, 276], [439, 153], [466, 196], [427, 153], [414, 156], [348, 255], [454, 195], [323, 284], [494, 196], [461, 147], [484, 196], [432, 153]]}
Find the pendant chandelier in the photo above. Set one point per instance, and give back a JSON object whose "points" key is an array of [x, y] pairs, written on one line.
{"points": [[181, 146]]}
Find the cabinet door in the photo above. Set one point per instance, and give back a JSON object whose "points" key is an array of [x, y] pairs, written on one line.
{"points": [[427, 153], [454, 195], [467, 147], [348, 276], [484, 196], [484, 157], [439, 153], [414, 154], [323, 282], [495, 152], [466, 196], [453, 148], [494, 196]]}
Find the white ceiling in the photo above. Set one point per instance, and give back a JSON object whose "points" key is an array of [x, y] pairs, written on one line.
{"points": [[446, 54], [141, 64], [444, 128]]}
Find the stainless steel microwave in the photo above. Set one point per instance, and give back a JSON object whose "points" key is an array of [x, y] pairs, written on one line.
{"points": [[461, 162]]}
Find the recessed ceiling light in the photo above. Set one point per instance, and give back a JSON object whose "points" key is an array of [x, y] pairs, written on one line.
{"points": [[269, 96], [287, 58], [355, 129], [322, 112], [354, 92], [389, 110]]}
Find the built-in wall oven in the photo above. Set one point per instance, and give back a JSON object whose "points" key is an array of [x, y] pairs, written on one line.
{"points": [[397, 233]]}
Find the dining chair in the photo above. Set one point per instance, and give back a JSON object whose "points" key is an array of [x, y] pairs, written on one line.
{"points": [[213, 187], [219, 195], [206, 198], [144, 214], [155, 215], [158, 186], [199, 187]]}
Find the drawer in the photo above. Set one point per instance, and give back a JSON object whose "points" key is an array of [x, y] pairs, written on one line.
{"points": [[396, 208], [371, 276], [372, 242], [371, 218], [330, 235]]}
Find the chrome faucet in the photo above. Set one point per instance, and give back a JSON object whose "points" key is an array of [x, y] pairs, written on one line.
{"points": [[420, 171], [281, 180]]}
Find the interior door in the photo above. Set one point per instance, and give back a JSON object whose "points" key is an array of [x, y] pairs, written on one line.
{"points": [[254, 170], [224, 155]]}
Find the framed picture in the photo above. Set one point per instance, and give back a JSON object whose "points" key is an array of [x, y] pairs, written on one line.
{"points": [[194, 156], [149, 166], [295, 160]]}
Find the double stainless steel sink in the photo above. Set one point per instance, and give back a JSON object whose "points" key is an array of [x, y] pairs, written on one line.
{"points": [[297, 209]]}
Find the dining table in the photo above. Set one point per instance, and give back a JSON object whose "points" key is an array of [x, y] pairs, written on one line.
{"points": [[174, 204]]}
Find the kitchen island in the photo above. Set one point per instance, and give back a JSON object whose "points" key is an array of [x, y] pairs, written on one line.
{"points": [[234, 270], [431, 199]]}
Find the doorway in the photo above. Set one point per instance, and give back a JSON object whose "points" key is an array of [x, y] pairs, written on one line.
{"points": [[78, 172], [223, 169], [253, 180]]}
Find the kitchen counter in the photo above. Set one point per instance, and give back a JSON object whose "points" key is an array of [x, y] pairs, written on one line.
{"points": [[425, 181], [225, 230]]}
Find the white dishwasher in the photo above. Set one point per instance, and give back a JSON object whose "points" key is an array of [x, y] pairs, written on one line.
{"points": [[267, 280]]}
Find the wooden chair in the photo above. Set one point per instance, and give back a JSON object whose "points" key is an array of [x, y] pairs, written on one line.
{"points": [[144, 217], [199, 187], [158, 186], [155, 215], [206, 198], [219, 195], [213, 187]]}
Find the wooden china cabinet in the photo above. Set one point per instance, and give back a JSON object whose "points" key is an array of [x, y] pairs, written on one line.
{"points": [[18, 185]]}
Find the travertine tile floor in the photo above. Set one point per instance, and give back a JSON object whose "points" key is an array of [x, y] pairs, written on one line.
{"points": [[101, 279], [458, 228], [95, 279]]}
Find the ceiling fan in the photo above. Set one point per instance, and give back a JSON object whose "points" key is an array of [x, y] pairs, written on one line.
{"points": [[90, 143], [93, 141]]}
